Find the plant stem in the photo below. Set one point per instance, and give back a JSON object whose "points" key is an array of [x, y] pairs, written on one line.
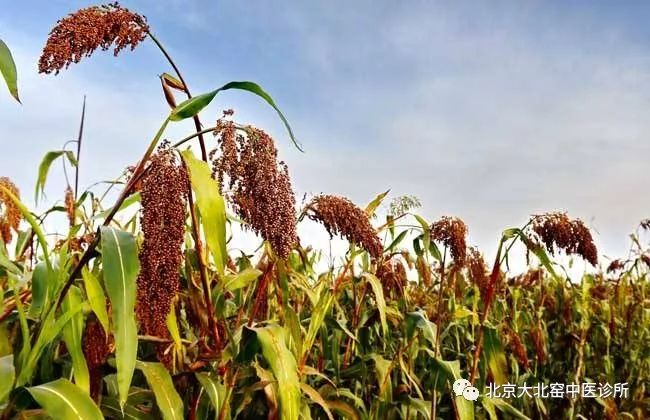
{"points": [[197, 122], [79, 137], [434, 398]]}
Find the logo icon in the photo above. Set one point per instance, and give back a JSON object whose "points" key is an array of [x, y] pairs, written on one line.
{"points": [[464, 387]]}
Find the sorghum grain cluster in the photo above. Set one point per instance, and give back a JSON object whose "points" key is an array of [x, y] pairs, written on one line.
{"points": [[164, 194], [79, 34], [341, 217], [451, 232], [559, 233], [10, 217], [260, 187]]}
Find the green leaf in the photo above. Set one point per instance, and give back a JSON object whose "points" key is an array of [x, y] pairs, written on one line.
{"points": [[344, 409], [72, 334], [61, 399], [317, 398], [464, 408], [211, 207], [379, 299], [215, 389], [504, 407], [192, 106], [8, 69], [41, 280], [317, 317], [96, 297], [50, 329], [7, 376], [372, 206], [272, 341], [383, 368], [121, 266], [419, 320], [160, 381], [396, 242], [44, 168], [496, 358], [257, 90], [242, 279]]}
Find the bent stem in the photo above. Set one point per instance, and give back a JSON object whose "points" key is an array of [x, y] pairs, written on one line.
{"points": [[494, 276], [197, 122]]}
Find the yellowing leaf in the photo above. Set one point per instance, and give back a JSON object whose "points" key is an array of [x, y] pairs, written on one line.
{"points": [[211, 207]]}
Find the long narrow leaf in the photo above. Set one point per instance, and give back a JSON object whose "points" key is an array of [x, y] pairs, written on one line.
{"points": [[168, 401], [121, 266], [211, 207], [72, 334], [63, 400], [8, 70]]}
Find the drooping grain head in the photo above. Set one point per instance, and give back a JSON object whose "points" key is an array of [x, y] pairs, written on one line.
{"points": [[452, 233], [477, 269], [392, 274], [259, 185], [80, 33], [518, 348], [95, 347], [615, 265], [559, 233], [424, 270], [10, 217], [342, 217], [164, 194]]}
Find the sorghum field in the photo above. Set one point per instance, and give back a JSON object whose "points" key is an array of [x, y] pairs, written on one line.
{"points": [[143, 310]]}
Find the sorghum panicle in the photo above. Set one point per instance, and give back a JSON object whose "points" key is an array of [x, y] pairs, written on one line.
{"points": [[392, 274], [518, 348], [452, 233], [341, 217], [80, 33], [558, 232], [10, 217], [164, 194], [424, 270], [478, 270], [95, 348], [260, 187]]}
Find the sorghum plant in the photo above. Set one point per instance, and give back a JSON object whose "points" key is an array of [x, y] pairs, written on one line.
{"points": [[153, 313]]}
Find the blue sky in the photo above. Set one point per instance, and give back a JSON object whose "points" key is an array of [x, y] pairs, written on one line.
{"points": [[490, 111]]}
